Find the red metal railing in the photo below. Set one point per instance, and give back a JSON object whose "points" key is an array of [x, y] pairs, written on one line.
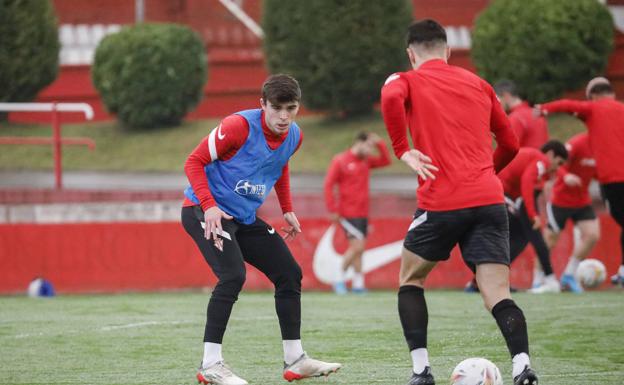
{"points": [[57, 141]]}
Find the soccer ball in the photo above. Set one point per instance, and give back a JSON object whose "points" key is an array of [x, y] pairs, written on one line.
{"points": [[476, 371], [591, 273]]}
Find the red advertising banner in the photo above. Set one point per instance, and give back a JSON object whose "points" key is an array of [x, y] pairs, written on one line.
{"points": [[108, 257]]}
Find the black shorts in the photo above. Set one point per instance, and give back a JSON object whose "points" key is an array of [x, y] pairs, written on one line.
{"points": [[614, 195], [355, 228], [482, 234], [558, 215]]}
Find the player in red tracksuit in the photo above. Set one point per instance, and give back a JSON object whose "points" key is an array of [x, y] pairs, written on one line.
{"points": [[349, 171], [532, 131], [570, 200], [523, 179], [603, 115], [452, 115]]}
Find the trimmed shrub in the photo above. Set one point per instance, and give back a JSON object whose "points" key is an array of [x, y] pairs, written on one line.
{"points": [[340, 51], [150, 75], [546, 46], [29, 48]]}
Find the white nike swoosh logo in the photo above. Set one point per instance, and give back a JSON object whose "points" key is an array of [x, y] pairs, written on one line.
{"points": [[271, 230], [219, 135], [327, 263], [222, 233]]}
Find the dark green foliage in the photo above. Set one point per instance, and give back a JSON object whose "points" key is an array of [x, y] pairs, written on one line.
{"points": [[340, 51], [29, 48], [150, 75], [546, 46]]}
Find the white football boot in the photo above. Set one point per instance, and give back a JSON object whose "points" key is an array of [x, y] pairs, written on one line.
{"points": [[305, 367], [218, 374], [550, 285]]}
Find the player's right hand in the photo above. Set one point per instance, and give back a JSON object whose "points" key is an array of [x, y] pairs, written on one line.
{"points": [[537, 223], [420, 163], [212, 217], [572, 180], [334, 217]]}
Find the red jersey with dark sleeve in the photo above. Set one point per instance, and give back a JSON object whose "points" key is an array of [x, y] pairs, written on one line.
{"points": [[221, 145], [451, 114], [351, 175], [525, 174], [580, 162], [531, 131], [604, 119]]}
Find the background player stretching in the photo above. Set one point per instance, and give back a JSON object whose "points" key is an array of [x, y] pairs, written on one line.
{"points": [[349, 171]]}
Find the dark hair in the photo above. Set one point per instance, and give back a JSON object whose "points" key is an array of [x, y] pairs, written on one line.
{"points": [[508, 86], [428, 33], [601, 89], [281, 88], [556, 147], [362, 136]]}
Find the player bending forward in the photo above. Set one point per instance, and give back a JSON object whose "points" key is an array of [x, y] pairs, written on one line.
{"points": [[452, 115], [231, 172]]}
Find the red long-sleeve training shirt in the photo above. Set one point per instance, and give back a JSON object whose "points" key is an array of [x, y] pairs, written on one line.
{"points": [[451, 114], [222, 144], [351, 174], [604, 120], [581, 163], [531, 131], [525, 174]]}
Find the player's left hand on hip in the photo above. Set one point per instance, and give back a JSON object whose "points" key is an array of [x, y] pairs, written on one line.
{"points": [[294, 227], [420, 163]]}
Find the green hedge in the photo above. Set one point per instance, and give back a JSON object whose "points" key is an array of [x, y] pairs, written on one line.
{"points": [[546, 46], [340, 51], [29, 48], [150, 75]]}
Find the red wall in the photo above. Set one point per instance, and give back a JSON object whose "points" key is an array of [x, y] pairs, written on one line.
{"points": [[149, 256]]}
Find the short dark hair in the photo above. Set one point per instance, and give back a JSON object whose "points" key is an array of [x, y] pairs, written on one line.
{"points": [[601, 89], [362, 136], [506, 85], [281, 88], [428, 33], [556, 147]]}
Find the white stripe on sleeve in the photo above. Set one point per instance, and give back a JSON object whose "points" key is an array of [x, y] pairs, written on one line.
{"points": [[212, 144]]}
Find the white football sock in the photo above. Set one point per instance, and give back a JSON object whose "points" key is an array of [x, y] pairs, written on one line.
{"points": [[212, 354], [621, 271], [572, 265], [420, 360], [292, 350], [358, 281], [519, 361]]}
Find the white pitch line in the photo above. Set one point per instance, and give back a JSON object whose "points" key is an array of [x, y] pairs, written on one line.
{"points": [[580, 306], [580, 374], [140, 325], [134, 325]]}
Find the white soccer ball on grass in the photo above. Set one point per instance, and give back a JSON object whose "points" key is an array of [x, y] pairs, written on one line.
{"points": [[591, 273], [476, 371]]}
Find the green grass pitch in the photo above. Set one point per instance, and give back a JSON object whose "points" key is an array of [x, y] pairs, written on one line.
{"points": [[156, 338]]}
